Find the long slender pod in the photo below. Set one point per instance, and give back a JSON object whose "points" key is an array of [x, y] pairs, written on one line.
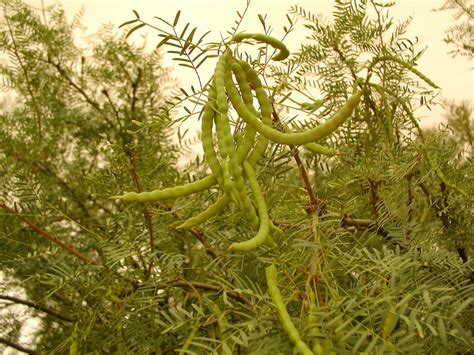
{"points": [[222, 201], [224, 138], [235, 164], [170, 192], [285, 320], [206, 137], [315, 147], [264, 127], [283, 51], [196, 186], [265, 108], [263, 235], [209, 212], [246, 93], [297, 138], [319, 149], [236, 186]]}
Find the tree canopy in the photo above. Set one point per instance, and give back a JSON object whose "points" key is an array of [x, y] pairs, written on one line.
{"points": [[366, 235]]}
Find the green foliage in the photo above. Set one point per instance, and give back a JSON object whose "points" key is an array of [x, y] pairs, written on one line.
{"points": [[460, 34], [376, 242]]}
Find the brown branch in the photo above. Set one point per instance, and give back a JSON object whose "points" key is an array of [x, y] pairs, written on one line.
{"points": [[17, 346], [52, 238], [410, 197], [116, 112], [200, 236], [374, 199], [135, 85], [37, 306], [445, 214], [88, 99], [355, 224], [187, 284], [315, 203]]}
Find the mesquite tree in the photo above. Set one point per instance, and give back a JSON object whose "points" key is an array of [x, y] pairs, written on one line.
{"points": [[360, 241]]}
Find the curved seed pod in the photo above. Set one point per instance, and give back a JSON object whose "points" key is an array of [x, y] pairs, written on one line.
{"points": [[235, 187], [266, 107], [247, 97], [298, 138], [217, 206], [284, 52], [206, 138], [235, 169], [263, 233], [285, 320], [319, 149], [171, 192], [224, 136], [209, 212], [196, 186], [315, 147]]}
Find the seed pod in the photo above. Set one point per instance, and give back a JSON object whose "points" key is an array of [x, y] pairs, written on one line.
{"points": [[298, 138], [209, 212], [263, 233], [247, 97], [284, 52], [285, 320], [206, 137], [171, 192]]}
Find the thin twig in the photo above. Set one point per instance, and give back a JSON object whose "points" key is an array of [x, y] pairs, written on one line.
{"points": [[34, 305], [17, 346], [86, 97], [52, 238], [188, 284], [315, 203]]}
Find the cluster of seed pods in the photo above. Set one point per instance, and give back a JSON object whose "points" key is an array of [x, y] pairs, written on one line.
{"points": [[232, 160], [232, 163]]}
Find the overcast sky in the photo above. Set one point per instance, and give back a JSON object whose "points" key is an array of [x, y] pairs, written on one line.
{"points": [[452, 74]]}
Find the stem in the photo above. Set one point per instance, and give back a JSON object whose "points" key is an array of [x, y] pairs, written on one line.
{"points": [[315, 203], [38, 307], [52, 238], [188, 284], [17, 346]]}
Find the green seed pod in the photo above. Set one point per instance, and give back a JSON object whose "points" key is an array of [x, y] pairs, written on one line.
{"points": [[266, 107], [262, 142], [284, 52], [206, 138], [171, 192], [285, 320], [209, 212], [246, 93], [299, 138], [230, 167], [263, 233]]}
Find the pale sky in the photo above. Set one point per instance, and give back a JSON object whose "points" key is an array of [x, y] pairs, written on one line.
{"points": [[453, 75]]}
